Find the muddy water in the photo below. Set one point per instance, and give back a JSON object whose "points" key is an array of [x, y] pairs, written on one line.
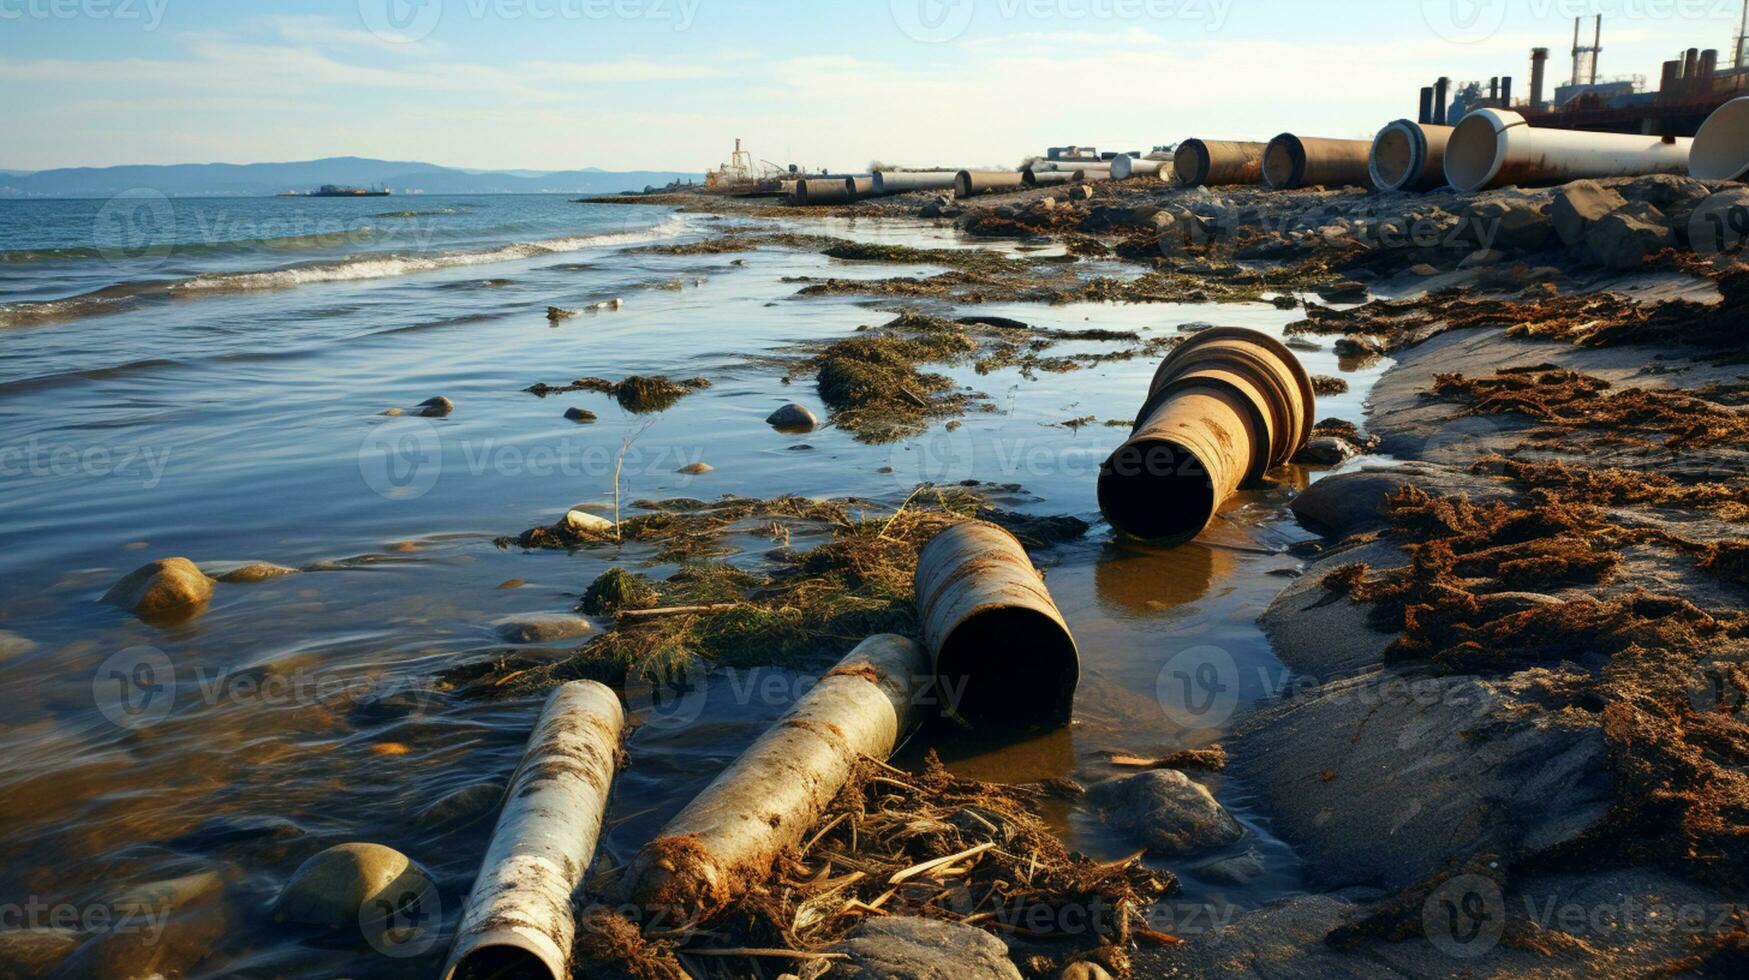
{"points": [[299, 713]]}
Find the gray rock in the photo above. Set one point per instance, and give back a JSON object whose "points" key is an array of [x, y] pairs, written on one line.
{"points": [[246, 572], [1482, 257], [26, 954], [162, 929], [547, 628], [167, 589], [1580, 205], [436, 408], [1231, 871], [1506, 221], [557, 313], [333, 886], [1327, 451], [793, 418], [462, 807], [579, 414], [1351, 503], [1624, 238], [1167, 811], [1666, 191], [903, 948]]}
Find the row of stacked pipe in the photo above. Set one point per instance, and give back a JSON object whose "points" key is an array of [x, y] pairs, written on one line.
{"points": [[1488, 148], [1223, 408]]}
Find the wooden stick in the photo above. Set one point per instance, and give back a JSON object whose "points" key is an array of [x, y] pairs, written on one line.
{"points": [[782, 954], [678, 611]]}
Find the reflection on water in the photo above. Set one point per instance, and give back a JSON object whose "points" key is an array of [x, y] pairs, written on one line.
{"points": [[299, 713]]}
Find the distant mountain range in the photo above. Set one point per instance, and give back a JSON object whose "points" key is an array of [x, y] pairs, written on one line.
{"points": [[261, 179]]}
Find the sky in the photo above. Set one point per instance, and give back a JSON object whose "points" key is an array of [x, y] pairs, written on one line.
{"points": [[670, 84]]}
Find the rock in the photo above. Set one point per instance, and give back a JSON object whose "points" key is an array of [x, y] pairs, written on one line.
{"points": [[1353, 503], [1482, 257], [13, 645], [1084, 971], [902, 948], [163, 929], [1359, 345], [695, 469], [333, 886], [171, 588], [1342, 291], [394, 413], [1079, 192], [1111, 218], [1666, 192], [436, 408], [792, 418], [462, 807], [1327, 451], [1233, 871], [26, 954], [586, 523], [547, 628], [246, 573], [1423, 270], [1624, 238], [555, 314], [1167, 810], [579, 415], [1506, 221], [1580, 205]]}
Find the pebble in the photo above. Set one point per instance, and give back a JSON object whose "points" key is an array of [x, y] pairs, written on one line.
{"points": [[1083, 971], [1231, 871], [462, 807], [696, 469], [1167, 810], [247, 573], [579, 415], [331, 887], [793, 417], [903, 947], [165, 589], [557, 313], [1326, 451], [436, 408], [544, 628], [587, 523]]}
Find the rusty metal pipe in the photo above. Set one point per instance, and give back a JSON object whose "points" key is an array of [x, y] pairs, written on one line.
{"points": [[901, 181], [1496, 148], [826, 190], [1721, 148], [1225, 407], [518, 919], [1001, 652], [1218, 163], [1292, 162], [971, 183], [860, 187], [1409, 156]]}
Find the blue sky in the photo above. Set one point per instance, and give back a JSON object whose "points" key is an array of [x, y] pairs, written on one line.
{"points": [[669, 84]]}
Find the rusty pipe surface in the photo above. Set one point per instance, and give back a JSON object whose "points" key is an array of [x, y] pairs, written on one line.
{"points": [[1217, 163], [826, 190], [518, 919], [1409, 156], [901, 181], [1496, 148], [1225, 407], [1001, 652], [970, 183], [1721, 148], [725, 840], [861, 187], [1292, 162]]}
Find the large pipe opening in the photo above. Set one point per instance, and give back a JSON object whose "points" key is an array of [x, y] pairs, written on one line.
{"points": [[1284, 163], [1008, 667], [1156, 490], [1191, 163], [1721, 149], [501, 963], [1395, 159], [1473, 156]]}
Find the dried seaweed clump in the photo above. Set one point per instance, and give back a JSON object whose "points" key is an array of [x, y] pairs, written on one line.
{"points": [[637, 394], [1620, 486], [1569, 399], [874, 383]]}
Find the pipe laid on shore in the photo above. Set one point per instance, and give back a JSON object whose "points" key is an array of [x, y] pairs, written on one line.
{"points": [[1496, 148], [1048, 178], [1292, 162], [900, 181], [825, 190], [1218, 163], [1409, 156], [518, 919], [1001, 652], [1225, 407], [1721, 148], [726, 839], [1125, 167], [861, 187], [971, 183]]}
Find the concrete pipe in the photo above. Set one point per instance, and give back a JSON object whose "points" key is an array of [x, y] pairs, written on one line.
{"points": [[900, 182], [861, 187], [1721, 149], [1409, 156], [1225, 407], [1496, 148], [518, 919], [826, 190], [971, 183], [1292, 162], [1126, 167], [1217, 163], [725, 841], [1047, 178], [1001, 652]]}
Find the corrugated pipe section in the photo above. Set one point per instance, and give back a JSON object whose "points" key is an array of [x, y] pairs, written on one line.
{"points": [[1409, 156], [971, 183], [1721, 149], [903, 181], [518, 919], [1496, 148], [1292, 162], [1225, 407], [1218, 163], [1001, 652]]}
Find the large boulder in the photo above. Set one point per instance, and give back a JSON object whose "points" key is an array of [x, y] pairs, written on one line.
{"points": [[1622, 239], [167, 589], [162, 929], [903, 948], [1580, 205], [336, 886], [1166, 810], [543, 628], [1666, 191], [26, 954], [1508, 221]]}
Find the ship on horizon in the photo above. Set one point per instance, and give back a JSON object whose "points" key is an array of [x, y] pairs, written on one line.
{"points": [[337, 190]]}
